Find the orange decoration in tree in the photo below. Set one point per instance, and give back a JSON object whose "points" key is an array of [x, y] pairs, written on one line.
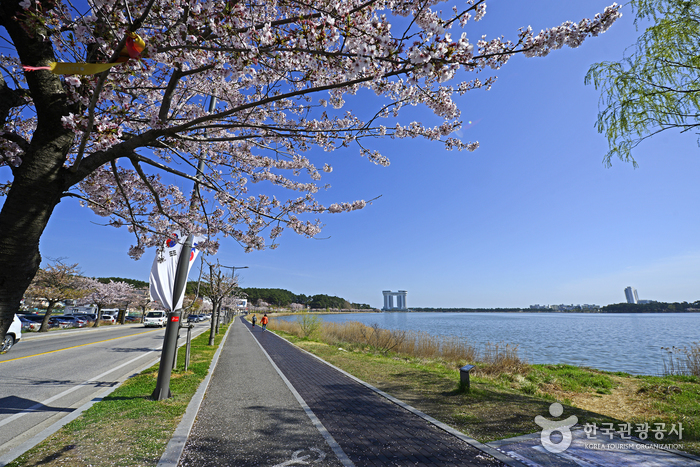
{"points": [[133, 49]]}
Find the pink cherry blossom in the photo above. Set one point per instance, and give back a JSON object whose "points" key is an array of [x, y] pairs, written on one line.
{"points": [[280, 73]]}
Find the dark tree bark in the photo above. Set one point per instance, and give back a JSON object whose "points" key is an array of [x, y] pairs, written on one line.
{"points": [[40, 180], [45, 321], [99, 316], [213, 324]]}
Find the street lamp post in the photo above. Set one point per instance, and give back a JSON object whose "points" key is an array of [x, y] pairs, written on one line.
{"points": [[233, 268]]}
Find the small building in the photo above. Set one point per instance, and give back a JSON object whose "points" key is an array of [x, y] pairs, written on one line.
{"points": [[80, 310]]}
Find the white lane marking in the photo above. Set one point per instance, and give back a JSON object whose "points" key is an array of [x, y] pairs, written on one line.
{"points": [[339, 453], [296, 460], [34, 407]]}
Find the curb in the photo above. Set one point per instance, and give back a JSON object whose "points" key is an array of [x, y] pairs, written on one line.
{"points": [[176, 445]]}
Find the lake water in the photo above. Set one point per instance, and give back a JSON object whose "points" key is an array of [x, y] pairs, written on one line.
{"points": [[615, 342]]}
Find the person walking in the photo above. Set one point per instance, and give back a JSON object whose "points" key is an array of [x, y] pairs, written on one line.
{"points": [[254, 320], [264, 321]]}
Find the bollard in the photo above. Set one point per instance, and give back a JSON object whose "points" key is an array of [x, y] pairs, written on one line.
{"points": [[189, 339], [464, 377]]}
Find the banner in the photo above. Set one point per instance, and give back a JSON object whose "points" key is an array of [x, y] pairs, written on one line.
{"points": [[162, 278]]}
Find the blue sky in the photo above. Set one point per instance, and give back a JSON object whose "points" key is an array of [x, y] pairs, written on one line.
{"points": [[532, 216]]}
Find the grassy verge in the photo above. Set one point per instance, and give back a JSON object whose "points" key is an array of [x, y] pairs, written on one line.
{"points": [[127, 428], [506, 394]]}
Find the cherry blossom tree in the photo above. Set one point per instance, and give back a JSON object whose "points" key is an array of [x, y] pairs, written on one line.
{"points": [[216, 286], [56, 282], [141, 299], [102, 295], [230, 95]]}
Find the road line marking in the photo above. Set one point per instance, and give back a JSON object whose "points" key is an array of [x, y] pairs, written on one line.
{"points": [[327, 436], [76, 346], [34, 408]]}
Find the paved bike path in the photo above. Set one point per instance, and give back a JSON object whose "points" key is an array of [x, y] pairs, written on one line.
{"points": [[249, 417], [371, 430]]}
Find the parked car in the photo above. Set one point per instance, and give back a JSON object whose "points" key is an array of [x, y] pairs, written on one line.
{"points": [[67, 321], [155, 319], [109, 319], [29, 324], [193, 319], [89, 317], [132, 319], [60, 321], [14, 334], [78, 321]]}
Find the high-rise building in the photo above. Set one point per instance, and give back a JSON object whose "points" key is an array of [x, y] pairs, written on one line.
{"points": [[631, 295], [389, 300]]}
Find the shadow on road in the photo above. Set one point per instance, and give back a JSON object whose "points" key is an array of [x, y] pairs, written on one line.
{"points": [[13, 405]]}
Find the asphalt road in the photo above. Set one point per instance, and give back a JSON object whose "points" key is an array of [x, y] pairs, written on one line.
{"points": [[47, 376]]}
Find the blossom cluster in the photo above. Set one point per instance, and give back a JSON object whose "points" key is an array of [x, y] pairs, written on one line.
{"points": [[280, 73]]}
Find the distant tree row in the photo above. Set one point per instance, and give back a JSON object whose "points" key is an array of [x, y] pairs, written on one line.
{"points": [[282, 297], [470, 310], [653, 307], [134, 282]]}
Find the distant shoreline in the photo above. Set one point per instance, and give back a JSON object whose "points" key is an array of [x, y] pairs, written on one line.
{"points": [[467, 310]]}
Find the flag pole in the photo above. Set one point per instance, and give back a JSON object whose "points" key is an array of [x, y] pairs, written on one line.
{"points": [[167, 356], [172, 329]]}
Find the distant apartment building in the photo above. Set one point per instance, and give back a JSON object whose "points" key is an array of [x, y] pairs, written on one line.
{"points": [[631, 295]]}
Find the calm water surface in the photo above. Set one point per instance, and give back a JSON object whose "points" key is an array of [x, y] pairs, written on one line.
{"points": [[614, 342]]}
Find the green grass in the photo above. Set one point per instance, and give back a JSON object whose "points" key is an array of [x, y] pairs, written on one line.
{"points": [[571, 378], [127, 428], [677, 398]]}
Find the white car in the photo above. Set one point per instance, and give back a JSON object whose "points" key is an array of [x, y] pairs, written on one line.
{"points": [[155, 319], [14, 334], [109, 319]]}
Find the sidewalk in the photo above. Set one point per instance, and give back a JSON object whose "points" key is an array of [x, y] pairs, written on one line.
{"points": [[310, 414]]}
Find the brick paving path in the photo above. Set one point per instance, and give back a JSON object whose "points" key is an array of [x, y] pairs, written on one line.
{"points": [[370, 429]]}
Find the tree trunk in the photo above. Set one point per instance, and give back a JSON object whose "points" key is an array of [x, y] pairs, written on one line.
{"points": [[36, 190], [99, 316], [213, 325], [39, 181], [45, 321]]}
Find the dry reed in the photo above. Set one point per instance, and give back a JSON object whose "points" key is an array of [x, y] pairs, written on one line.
{"points": [[682, 360], [495, 359]]}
